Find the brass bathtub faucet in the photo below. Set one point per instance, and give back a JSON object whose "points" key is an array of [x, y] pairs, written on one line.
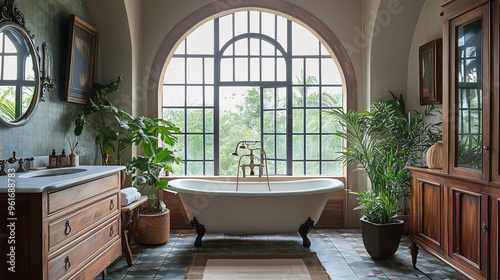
{"points": [[246, 144], [252, 165]]}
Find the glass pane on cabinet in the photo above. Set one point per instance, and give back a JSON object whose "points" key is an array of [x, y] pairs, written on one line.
{"points": [[469, 95]]}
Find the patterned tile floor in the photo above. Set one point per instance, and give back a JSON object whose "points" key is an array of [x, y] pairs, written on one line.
{"points": [[341, 252]]}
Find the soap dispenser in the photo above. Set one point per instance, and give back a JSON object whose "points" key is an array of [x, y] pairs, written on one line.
{"points": [[53, 160], [63, 159]]}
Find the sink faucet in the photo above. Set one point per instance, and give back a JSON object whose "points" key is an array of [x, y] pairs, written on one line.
{"points": [[13, 158], [21, 162], [247, 144]]}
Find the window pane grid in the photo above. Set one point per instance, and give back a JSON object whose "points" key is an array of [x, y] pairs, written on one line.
{"points": [[272, 63], [316, 165]]}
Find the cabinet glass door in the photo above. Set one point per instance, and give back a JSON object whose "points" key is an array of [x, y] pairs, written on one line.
{"points": [[469, 101], [469, 97], [495, 127]]}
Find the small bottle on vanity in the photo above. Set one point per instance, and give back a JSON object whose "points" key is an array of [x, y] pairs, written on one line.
{"points": [[63, 159], [53, 160]]}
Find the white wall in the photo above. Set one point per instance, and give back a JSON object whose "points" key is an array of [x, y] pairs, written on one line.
{"points": [[390, 47], [429, 27], [134, 14], [115, 47], [369, 26]]}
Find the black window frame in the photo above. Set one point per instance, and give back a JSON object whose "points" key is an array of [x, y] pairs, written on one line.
{"points": [[289, 84]]}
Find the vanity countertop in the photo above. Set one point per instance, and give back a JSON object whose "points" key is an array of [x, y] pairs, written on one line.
{"points": [[39, 184]]}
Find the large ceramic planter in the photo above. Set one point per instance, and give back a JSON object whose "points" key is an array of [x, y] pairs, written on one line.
{"points": [[153, 229], [381, 240]]}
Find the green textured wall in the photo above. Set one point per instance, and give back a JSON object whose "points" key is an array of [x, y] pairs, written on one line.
{"points": [[53, 121]]}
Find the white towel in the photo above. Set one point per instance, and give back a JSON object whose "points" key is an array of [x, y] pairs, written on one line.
{"points": [[126, 200], [126, 191]]}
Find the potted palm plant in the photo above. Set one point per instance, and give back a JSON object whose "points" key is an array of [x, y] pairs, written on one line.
{"points": [[383, 141], [410, 132]]}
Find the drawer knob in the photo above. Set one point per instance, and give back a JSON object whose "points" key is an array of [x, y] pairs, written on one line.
{"points": [[485, 227], [111, 205], [111, 231], [67, 228], [67, 264]]}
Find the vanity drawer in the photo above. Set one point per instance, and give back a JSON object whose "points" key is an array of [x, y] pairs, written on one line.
{"points": [[65, 263], [75, 223], [98, 264], [61, 199]]}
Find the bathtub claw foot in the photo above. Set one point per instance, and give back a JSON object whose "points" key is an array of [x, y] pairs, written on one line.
{"points": [[200, 230], [304, 229]]}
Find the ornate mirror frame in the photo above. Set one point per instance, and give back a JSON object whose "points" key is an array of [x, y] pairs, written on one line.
{"points": [[11, 18]]}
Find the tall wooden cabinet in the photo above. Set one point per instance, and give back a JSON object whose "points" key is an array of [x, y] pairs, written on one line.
{"points": [[455, 211]]}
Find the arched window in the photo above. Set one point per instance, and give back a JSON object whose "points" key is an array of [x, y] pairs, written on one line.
{"points": [[254, 75]]}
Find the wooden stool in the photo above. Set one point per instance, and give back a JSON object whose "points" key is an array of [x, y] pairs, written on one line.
{"points": [[130, 215]]}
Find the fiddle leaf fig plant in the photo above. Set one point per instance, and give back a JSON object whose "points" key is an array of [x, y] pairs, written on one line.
{"points": [[146, 169], [99, 114], [117, 131]]}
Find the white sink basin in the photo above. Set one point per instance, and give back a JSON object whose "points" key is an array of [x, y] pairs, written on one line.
{"points": [[51, 172]]}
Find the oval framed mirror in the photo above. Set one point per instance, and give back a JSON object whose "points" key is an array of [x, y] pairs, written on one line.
{"points": [[19, 70]]}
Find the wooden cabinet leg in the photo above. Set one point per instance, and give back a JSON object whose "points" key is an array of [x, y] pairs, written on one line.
{"points": [[414, 252], [103, 274]]}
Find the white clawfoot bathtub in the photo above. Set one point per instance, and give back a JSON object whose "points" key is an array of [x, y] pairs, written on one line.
{"points": [[217, 207]]}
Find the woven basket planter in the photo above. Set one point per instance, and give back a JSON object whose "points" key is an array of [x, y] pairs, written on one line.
{"points": [[153, 229], [435, 156]]}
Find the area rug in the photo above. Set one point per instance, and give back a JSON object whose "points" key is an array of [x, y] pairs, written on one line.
{"points": [[301, 266]]}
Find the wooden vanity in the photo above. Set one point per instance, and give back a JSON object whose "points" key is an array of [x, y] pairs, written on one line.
{"points": [[65, 231]]}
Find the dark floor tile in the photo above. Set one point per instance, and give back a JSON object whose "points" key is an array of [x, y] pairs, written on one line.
{"points": [[341, 252]]}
